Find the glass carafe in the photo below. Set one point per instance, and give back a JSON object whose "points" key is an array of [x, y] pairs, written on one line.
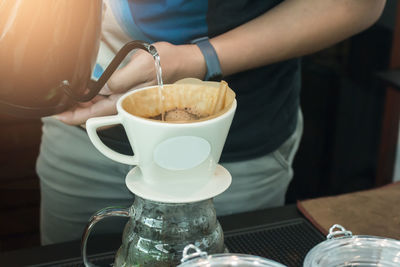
{"points": [[157, 233]]}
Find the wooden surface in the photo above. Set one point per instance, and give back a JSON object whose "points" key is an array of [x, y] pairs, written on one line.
{"points": [[19, 186], [368, 212]]}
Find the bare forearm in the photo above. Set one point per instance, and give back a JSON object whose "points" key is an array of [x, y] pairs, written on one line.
{"points": [[292, 29]]}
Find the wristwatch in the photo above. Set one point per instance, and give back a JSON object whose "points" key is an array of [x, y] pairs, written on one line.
{"points": [[214, 72]]}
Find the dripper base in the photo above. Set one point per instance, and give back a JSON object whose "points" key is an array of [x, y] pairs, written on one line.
{"points": [[172, 193]]}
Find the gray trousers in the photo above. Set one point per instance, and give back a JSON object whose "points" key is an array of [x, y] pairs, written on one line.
{"points": [[77, 180]]}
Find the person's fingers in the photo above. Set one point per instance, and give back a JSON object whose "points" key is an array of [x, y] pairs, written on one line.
{"points": [[139, 72], [98, 106], [105, 91]]}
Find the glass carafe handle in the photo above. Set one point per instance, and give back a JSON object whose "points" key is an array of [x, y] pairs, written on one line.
{"points": [[98, 216]]}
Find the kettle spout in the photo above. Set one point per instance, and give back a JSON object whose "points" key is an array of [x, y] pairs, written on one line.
{"points": [[94, 87]]}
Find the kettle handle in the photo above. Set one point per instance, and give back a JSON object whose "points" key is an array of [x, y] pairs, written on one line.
{"points": [[95, 86], [98, 216]]}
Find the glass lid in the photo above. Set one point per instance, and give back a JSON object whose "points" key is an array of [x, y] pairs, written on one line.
{"points": [[342, 249], [199, 258]]}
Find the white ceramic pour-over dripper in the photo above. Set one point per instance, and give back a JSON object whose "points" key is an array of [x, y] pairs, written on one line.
{"points": [[176, 162]]}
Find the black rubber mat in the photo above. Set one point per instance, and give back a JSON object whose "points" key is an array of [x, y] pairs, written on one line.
{"points": [[99, 260], [285, 242]]}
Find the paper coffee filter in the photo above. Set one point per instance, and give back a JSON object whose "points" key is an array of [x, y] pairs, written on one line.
{"points": [[204, 100]]}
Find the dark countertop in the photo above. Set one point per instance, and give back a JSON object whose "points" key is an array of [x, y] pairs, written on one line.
{"points": [[235, 227]]}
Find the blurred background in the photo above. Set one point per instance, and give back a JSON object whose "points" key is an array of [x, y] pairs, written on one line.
{"points": [[350, 141]]}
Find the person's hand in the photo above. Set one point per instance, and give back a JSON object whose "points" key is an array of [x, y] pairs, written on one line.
{"points": [[177, 62], [100, 105]]}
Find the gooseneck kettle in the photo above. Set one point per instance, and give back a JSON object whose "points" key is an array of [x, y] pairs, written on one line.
{"points": [[47, 53]]}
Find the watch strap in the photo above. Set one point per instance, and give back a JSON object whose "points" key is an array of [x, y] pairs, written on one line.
{"points": [[214, 72]]}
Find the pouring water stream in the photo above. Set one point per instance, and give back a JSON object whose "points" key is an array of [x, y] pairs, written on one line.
{"points": [[153, 51]]}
